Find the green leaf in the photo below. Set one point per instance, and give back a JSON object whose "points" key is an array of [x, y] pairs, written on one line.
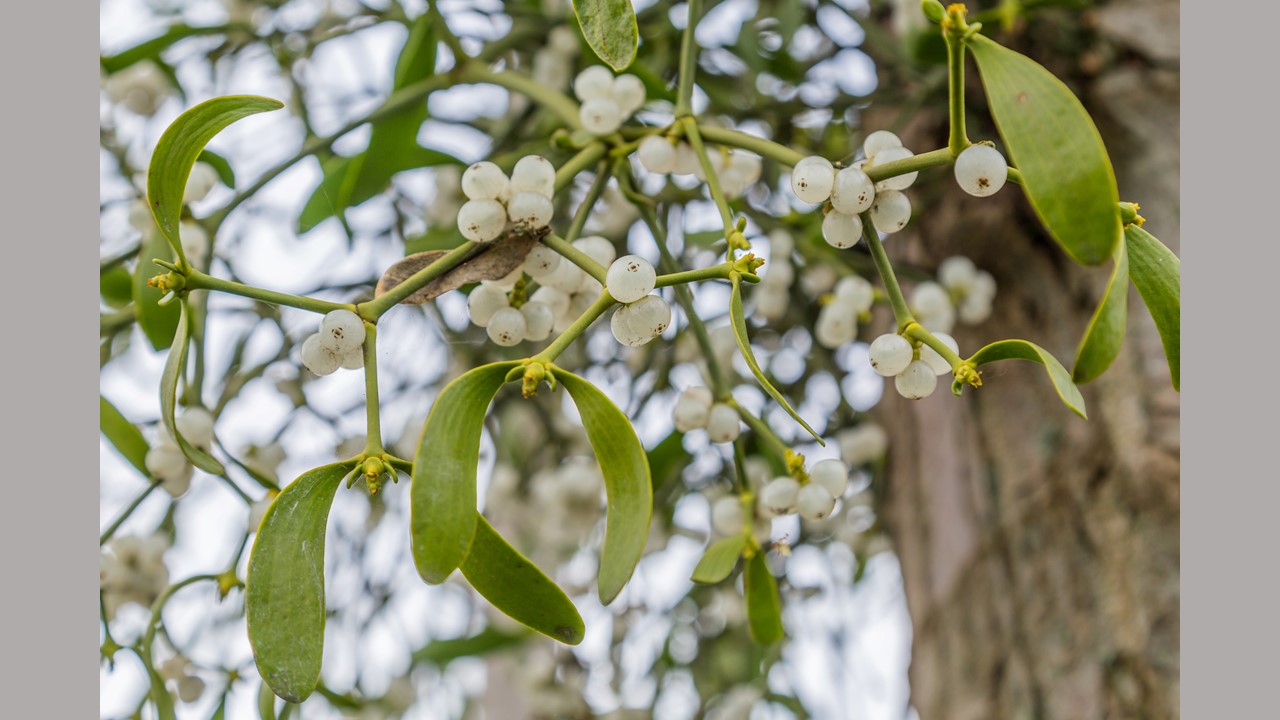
{"points": [[116, 287], [284, 588], [151, 49], [124, 435], [764, 606], [609, 27], [1053, 142], [625, 467], [226, 175], [220, 712], [180, 145], [1023, 350], [738, 319], [443, 492], [1105, 334], [668, 459], [158, 322], [266, 703], [1157, 273], [174, 365], [160, 696], [518, 588], [488, 640], [718, 561]]}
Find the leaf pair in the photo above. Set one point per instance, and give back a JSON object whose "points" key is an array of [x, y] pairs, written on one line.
{"points": [[764, 605]]}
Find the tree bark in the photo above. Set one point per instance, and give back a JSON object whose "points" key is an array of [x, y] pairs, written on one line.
{"points": [[1039, 551]]}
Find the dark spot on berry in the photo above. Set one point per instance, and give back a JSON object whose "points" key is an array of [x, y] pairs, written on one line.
{"points": [[983, 182]]}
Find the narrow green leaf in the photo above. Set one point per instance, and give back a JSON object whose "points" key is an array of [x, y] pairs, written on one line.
{"points": [[1023, 350], [151, 49], [284, 588], [738, 319], [1105, 334], [518, 588], [718, 561], [220, 712], [625, 467], [488, 640], [220, 165], [443, 491], [1053, 142], [180, 145], [1157, 273], [667, 459], [266, 703], [158, 322], [609, 27], [124, 435], [174, 365], [115, 285], [764, 606], [160, 696]]}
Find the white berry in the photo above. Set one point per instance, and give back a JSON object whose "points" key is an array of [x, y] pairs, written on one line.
{"points": [[540, 261], [506, 327], [628, 92], [165, 461], [890, 354], [857, 292], [538, 320], [593, 83], [934, 359], [723, 424], [482, 220], [530, 210], [597, 248], [317, 358], [981, 170], [726, 515], [863, 443], [630, 278], [852, 192], [831, 474], [840, 230], [342, 331], [898, 182], [686, 162], [812, 179], [535, 174], [601, 116], [657, 154], [484, 302], [650, 316], [877, 141], [890, 211], [836, 325], [931, 305], [957, 273], [917, 381], [196, 425], [485, 181], [554, 298], [779, 496], [693, 409], [814, 502], [352, 360]]}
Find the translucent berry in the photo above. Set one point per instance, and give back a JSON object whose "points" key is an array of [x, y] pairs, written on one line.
{"points": [[726, 515], [890, 211], [202, 179], [353, 359], [484, 302], [541, 261], [812, 179], [746, 166], [507, 282], [317, 358], [981, 170], [779, 496], [863, 443], [630, 278], [836, 326], [973, 310], [898, 182], [852, 192], [341, 331], [877, 141], [840, 230], [957, 273], [623, 329], [686, 162], [984, 286], [600, 116], [597, 248], [535, 174], [814, 502], [857, 292], [482, 220], [723, 424], [593, 83], [554, 298], [538, 320], [530, 210], [934, 360], [917, 381], [890, 354], [932, 307], [567, 277], [196, 425], [195, 241], [831, 474], [485, 181], [506, 327], [693, 409], [165, 461], [628, 92], [657, 154], [650, 315]]}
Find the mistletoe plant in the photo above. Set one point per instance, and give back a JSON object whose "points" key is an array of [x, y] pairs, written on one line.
{"points": [[531, 279]]}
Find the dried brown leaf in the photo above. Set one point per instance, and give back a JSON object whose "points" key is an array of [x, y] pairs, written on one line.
{"points": [[493, 262]]}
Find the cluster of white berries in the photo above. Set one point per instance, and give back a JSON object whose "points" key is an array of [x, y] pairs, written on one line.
{"points": [[132, 570], [850, 191], [643, 316], [165, 460], [773, 295], [494, 200], [141, 88], [863, 443], [178, 670], [696, 409], [490, 307], [338, 344], [838, 319], [813, 500], [970, 288], [607, 101], [735, 169], [915, 370]]}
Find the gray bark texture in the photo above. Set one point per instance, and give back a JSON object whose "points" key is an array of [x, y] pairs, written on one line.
{"points": [[1040, 551]]}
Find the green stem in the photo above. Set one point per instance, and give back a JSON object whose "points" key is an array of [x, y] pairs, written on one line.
{"points": [[762, 430], [124, 515], [899, 303], [379, 306], [759, 146], [713, 179], [917, 332], [442, 31], [150, 637], [373, 425], [200, 281], [715, 272], [585, 158], [953, 28], [740, 468], [588, 202], [915, 163], [575, 256], [688, 60], [579, 326]]}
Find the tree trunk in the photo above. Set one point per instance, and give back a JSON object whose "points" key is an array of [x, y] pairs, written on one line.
{"points": [[1039, 551]]}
